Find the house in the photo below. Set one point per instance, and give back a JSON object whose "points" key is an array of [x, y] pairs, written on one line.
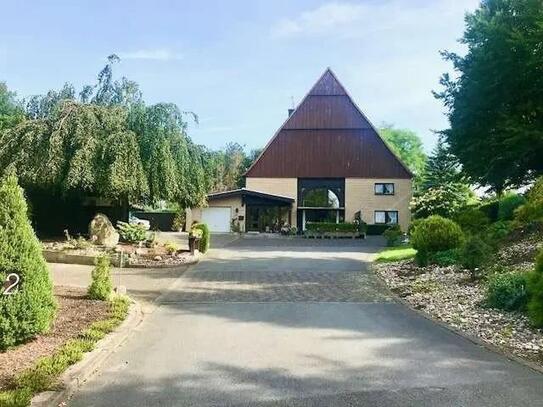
{"points": [[326, 163]]}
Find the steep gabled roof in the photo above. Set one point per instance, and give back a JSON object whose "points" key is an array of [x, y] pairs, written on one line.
{"points": [[327, 135]]}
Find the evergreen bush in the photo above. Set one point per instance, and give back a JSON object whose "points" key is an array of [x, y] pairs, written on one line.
{"points": [[532, 210], [507, 205], [497, 232], [445, 258], [31, 307], [490, 208], [535, 292], [393, 235], [472, 220], [435, 234], [507, 291], [205, 239], [101, 285], [474, 254]]}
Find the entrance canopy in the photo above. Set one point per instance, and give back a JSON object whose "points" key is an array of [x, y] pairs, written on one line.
{"points": [[259, 211], [249, 196]]}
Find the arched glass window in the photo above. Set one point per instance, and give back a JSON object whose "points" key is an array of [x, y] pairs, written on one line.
{"points": [[320, 198]]}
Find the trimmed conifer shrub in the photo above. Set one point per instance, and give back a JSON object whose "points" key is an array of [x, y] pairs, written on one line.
{"points": [[30, 307], [205, 239], [535, 292], [101, 285], [435, 234]]}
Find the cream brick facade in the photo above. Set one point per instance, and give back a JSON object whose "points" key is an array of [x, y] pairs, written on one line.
{"points": [[234, 203], [360, 196], [276, 186]]}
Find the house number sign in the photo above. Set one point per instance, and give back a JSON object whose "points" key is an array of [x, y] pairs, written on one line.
{"points": [[10, 284]]}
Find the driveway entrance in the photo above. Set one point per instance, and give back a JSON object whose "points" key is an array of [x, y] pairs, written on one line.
{"points": [[294, 322]]}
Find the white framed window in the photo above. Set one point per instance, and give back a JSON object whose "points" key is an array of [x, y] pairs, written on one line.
{"points": [[386, 217], [384, 188]]}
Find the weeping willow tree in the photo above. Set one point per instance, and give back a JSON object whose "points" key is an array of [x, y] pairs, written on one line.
{"points": [[106, 142], [80, 148]]}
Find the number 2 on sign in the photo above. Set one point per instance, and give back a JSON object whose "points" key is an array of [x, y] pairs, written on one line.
{"points": [[10, 286]]}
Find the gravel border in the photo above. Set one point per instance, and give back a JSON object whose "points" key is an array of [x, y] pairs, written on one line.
{"points": [[448, 297]]}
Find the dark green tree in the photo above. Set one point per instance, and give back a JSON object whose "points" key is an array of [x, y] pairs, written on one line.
{"points": [[441, 167], [495, 100]]}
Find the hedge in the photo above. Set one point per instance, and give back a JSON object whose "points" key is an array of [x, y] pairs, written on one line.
{"points": [[377, 229], [332, 227]]}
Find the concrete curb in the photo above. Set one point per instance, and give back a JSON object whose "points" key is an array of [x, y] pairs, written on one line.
{"points": [[473, 339], [82, 371]]}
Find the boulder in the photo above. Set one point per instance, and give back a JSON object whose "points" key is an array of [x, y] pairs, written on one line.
{"points": [[102, 232]]}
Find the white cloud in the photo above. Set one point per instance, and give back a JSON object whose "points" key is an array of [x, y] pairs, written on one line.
{"points": [[356, 20], [386, 52], [159, 54]]}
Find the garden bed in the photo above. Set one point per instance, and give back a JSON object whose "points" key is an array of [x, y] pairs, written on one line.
{"points": [[449, 295], [38, 365], [133, 255], [74, 315]]}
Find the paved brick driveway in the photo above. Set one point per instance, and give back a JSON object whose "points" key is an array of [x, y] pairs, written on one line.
{"points": [[284, 270], [295, 323]]}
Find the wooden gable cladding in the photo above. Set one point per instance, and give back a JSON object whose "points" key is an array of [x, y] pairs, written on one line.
{"points": [[334, 153], [328, 85], [327, 136], [327, 112]]}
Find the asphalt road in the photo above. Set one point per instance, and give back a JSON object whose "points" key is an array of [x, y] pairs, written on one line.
{"points": [[266, 322]]}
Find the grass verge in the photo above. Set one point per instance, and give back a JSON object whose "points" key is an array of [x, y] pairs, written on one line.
{"points": [[45, 373], [391, 254]]}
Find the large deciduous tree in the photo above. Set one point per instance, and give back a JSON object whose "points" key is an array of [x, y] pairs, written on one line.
{"points": [[11, 112], [495, 98], [407, 145], [80, 148], [106, 142]]}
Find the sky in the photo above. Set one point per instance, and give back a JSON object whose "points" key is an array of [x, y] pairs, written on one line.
{"points": [[238, 64]]}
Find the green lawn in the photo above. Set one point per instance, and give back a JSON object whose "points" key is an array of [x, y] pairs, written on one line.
{"points": [[395, 254]]}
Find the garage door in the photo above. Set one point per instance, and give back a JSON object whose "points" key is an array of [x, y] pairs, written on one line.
{"points": [[217, 219]]}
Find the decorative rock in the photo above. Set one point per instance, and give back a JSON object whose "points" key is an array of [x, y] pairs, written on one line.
{"points": [[157, 258], [102, 232]]}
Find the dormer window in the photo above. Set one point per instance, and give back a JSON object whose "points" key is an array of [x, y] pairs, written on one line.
{"points": [[384, 189]]}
